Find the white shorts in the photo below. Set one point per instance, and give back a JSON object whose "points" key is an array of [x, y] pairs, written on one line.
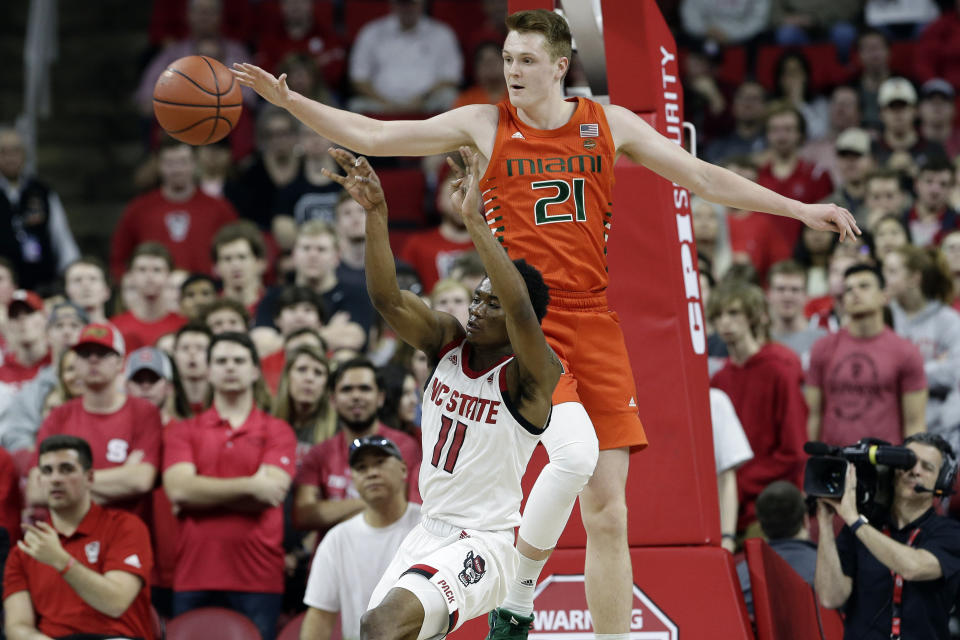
{"points": [[471, 569]]}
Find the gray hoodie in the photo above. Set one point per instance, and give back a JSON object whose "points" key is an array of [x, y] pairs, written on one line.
{"points": [[935, 330], [22, 418]]}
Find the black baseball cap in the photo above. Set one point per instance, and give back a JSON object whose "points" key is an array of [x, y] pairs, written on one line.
{"points": [[373, 442]]}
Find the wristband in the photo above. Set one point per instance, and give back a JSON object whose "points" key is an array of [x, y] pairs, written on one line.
{"points": [[729, 536], [72, 561], [861, 520]]}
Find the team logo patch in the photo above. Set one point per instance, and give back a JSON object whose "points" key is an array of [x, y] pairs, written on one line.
{"points": [[473, 569], [92, 549], [453, 359], [518, 135], [117, 450], [178, 224], [589, 144], [464, 534], [590, 130]]}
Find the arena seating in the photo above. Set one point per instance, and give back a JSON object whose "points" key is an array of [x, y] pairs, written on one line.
{"points": [[212, 623]]}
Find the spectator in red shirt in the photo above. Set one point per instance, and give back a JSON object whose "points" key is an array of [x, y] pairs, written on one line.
{"points": [[433, 252], [239, 254], [177, 215], [85, 283], [11, 504], [227, 471], [300, 31], [150, 319], [786, 172], [123, 432], [28, 350], [931, 216], [763, 380], [324, 494], [865, 380], [938, 49], [190, 345], [85, 573]]}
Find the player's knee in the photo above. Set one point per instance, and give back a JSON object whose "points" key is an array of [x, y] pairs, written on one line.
{"points": [[604, 518], [577, 458], [375, 625]]}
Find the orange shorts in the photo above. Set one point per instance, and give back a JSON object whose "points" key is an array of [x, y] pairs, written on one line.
{"points": [[586, 336]]}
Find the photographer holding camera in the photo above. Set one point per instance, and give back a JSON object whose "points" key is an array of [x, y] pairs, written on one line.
{"points": [[897, 578]]}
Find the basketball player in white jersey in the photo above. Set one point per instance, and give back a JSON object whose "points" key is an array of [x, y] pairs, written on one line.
{"points": [[536, 57], [484, 408]]}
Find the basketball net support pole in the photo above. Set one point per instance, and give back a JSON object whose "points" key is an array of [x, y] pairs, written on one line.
{"points": [[685, 584]]}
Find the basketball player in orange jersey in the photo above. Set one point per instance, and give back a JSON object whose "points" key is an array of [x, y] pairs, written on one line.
{"points": [[548, 161]]}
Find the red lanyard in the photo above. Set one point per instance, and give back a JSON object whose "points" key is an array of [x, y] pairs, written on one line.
{"points": [[898, 590]]}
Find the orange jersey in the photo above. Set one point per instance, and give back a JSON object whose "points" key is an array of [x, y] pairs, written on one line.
{"points": [[549, 195]]}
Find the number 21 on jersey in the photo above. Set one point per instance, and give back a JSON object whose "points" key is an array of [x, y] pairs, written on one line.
{"points": [[454, 451], [562, 195]]}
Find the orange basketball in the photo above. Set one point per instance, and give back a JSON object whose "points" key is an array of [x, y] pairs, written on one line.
{"points": [[197, 100]]}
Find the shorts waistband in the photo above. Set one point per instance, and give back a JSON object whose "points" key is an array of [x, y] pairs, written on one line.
{"points": [[578, 300], [439, 527]]}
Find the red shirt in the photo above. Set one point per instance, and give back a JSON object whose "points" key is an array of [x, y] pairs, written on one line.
{"points": [[432, 255], [271, 368], [321, 44], [106, 540], [767, 394], [165, 529], [220, 549], [185, 228], [808, 183], [138, 333], [16, 374], [756, 235], [112, 437], [326, 465]]}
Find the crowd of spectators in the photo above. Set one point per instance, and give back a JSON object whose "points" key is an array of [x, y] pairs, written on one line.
{"points": [[223, 357]]}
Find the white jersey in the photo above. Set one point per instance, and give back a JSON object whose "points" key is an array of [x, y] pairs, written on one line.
{"points": [[475, 445]]}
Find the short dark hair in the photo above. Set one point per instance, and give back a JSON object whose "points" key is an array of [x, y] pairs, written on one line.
{"points": [[936, 163], [862, 266], [782, 108], [537, 288], [61, 441], [295, 294], [553, 28], [194, 326], [194, 278], [226, 303], [354, 363], [780, 510], [240, 230], [302, 331], [153, 250], [237, 338], [8, 265]]}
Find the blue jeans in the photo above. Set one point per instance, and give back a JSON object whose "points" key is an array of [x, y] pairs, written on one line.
{"points": [[262, 608]]}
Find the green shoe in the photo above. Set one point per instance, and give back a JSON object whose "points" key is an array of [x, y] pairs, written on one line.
{"points": [[506, 625]]}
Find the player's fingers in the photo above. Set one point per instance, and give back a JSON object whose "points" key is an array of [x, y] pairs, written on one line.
{"points": [[457, 171], [282, 80], [344, 158], [340, 180]]}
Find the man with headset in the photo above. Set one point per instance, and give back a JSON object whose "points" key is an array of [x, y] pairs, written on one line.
{"points": [[898, 578]]}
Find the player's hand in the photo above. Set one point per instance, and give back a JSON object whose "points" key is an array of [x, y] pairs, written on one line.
{"points": [[361, 181], [273, 90], [830, 217], [465, 194], [42, 543]]}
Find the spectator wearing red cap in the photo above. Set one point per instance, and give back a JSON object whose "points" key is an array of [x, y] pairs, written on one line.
{"points": [[123, 432], [228, 471], [150, 319], [27, 346], [84, 574], [433, 252]]}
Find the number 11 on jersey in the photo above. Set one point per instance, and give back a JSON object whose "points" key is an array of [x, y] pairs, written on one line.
{"points": [[454, 451]]}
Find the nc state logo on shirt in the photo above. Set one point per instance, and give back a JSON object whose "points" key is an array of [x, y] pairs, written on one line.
{"points": [[117, 450], [92, 549], [178, 224]]}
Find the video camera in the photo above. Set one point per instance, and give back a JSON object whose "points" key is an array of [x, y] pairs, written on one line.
{"points": [[874, 461]]}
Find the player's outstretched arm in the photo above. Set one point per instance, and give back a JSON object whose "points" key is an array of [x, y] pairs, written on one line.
{"points": [[368, 136], [644, 145], [538, 363], [415, 323]]}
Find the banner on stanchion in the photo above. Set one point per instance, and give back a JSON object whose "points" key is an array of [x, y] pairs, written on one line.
{"points": [[561, 613]]}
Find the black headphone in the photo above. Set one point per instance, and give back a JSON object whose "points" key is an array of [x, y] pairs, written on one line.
{"points": [[948, 470]]}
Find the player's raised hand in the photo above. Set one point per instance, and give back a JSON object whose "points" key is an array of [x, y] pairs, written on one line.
{"points": [[830, 217], [360, 181], [465, 194], [273, 90]]}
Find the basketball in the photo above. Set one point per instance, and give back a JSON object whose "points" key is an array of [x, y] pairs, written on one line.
{"points": [[197, 100]]}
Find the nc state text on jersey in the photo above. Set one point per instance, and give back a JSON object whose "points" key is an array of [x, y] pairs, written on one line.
{"points": [[466, 406]]}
